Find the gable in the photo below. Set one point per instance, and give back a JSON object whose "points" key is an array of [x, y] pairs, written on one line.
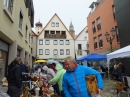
{"points": [[55, 19], [33, 34], [82, 34]]}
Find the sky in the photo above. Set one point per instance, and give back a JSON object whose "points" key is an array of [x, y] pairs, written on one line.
{"points": [[68, 10]]}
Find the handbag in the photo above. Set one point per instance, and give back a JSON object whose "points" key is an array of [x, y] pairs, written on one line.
{"points": [[92, 84]]}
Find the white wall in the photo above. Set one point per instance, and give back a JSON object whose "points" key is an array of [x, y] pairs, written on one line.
{"points": [[81, 40]]}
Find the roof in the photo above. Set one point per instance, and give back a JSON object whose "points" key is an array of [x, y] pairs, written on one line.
{"points": [[80, 33], [92, 4], [61, 22], [33, 34], [38, 24]]}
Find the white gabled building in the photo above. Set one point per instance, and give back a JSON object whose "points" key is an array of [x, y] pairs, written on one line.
{"points": [[82, 43], [55, 40]]}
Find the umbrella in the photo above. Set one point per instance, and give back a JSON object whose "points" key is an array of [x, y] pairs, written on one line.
{"points": [[38, 61], [50, 61]]}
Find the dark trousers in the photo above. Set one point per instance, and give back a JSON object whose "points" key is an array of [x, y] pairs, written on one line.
{"points": [[56, 89], [13, 91], [62, 94]]}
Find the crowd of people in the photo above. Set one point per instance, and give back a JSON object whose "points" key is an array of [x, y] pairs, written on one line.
{"points": [[118, 72], [67, 81]]}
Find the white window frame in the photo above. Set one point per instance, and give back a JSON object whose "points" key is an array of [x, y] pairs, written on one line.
{"points": [[55, 52], [67, 42], [95, 39], [53, 24], [61, 51], [61, 42], [9, 5], [85, 38], [31, 40], [100, 37], [40, 51], [57, 24], [67, 50], [47, 42], [40, 42], [55, 42], [47, 51], [20, 19], [26, 32], [98, 21]]}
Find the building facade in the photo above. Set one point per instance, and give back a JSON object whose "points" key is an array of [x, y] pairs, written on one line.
{"points": [[101, 20], [122, 12], [82, 43], [55, 40], [16, 21], [34, 38]]}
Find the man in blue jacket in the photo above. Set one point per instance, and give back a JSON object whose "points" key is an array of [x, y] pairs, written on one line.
{"points": [[74, 82]]}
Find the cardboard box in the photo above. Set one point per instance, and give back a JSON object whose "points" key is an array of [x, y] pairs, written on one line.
{"points": [[4, 79], [5, 84]]}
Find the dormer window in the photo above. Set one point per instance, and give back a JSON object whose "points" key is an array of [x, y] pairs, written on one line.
{"points": [[53, 24], [57, 24]]}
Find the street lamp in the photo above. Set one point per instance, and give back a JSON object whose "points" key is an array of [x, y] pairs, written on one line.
{"points": [[110, 39]]}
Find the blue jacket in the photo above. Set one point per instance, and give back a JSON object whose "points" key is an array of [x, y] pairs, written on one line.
{"points": [[23, 68], [74, 83]]}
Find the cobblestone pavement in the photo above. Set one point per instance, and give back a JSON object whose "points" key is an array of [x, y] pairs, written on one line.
{"points": [[108, 89]]}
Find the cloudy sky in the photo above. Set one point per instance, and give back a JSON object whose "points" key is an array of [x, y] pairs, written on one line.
{"points": [[67, 10]]}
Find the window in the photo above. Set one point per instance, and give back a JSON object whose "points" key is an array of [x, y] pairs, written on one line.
{"points": [[67, 42], [117, 34], [93, 27], [85, 38], [52, 24], [40, 42], [79, 47], [61, 52], [87, 46], [55, 52], [31, 40], [100, 41], [55, 42], [18, 53], [79, 52], [57, 24], [98, 24], [20, 20], [47, 42], [47, 51], [31, 50], [40, 51], [9, 5], [67, 52], [26, 32], [113, 8], [61, 42], [95, 43]]}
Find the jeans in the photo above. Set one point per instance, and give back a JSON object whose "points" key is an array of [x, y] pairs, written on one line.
{"points": [[62, 94], [56, 89]]}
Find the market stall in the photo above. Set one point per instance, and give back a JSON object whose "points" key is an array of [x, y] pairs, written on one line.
{"points": [[121, 53], [93, 57], [37, 85]]}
